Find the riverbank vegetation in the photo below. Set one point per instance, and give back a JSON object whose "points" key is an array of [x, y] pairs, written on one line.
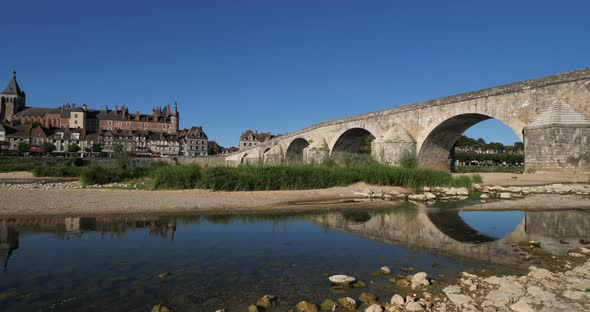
{"points": [[159, 175]]}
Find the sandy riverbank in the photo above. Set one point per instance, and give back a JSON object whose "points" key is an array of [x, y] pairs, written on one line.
{"points": [[110, 201]]}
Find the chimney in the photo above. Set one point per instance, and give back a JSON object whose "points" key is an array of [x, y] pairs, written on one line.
{"points": [[137, 116], [123, 110], [116, 109], [168, 110], [73, 105], [106, 108]]}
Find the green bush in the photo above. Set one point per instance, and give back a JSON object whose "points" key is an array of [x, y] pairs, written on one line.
{"points": [[175, 177], [101, 175], [60, 171]]}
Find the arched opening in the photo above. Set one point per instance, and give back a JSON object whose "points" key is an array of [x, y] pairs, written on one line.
{"points": [[472, 141], [352, 146], [295, 150], [243, 159]]}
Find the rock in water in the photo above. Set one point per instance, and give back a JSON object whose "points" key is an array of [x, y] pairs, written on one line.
{"points": [[304, 306], [385, 270], [368, 298], [342, 280], [374, 308], [161, 308], [397, 300], [419, 279], [347, 303], [253, 308], [329, 305], [414, 307], [266, 301]]}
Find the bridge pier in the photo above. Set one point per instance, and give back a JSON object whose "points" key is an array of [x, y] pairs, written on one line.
{"points": [[558, 140], [390, 152]]}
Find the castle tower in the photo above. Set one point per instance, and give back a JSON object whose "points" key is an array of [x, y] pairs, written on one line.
{"points": [[12, 99], [174, 117]]}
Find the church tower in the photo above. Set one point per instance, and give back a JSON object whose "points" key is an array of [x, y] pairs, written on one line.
{"points": [[12, 99], [174, 118]]}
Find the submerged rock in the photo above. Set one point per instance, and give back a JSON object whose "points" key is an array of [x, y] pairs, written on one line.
{"points": [[266, 301], [368, 298], [347, 303], [161, 308], [329, 305], [304, 306]]}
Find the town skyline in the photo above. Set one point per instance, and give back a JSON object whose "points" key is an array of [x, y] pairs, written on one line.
{"points": [[282, 67]]}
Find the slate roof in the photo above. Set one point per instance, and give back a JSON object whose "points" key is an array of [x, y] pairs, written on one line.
{"points": [[13, 88]]}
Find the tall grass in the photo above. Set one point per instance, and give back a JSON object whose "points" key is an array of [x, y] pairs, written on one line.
{"points": [[175, 177], [58, 171], [300, 177], [102, 175]]}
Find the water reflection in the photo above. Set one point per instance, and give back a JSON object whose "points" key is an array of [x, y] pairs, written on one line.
{"points": [[230, 260]]}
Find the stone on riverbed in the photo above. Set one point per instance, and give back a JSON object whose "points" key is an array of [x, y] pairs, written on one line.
{"points": [[266, 301], [304, 306], [397, 300], [374, 308], [414, 307], [368, 298], [347, 303], [385, 270], [161, 308], [329, 305], [342, 280], [505, 195], [419, 279]]}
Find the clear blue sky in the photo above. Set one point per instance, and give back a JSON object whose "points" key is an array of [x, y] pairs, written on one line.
{"points": [[283, 65]]}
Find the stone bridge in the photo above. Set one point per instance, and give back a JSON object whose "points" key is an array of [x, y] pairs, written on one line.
{"points": [[550, 114]]}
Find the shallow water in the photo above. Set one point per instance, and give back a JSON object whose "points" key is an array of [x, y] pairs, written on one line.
{"points": [[229, 261]]}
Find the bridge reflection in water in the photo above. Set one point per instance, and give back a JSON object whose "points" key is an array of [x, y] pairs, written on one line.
{"points": [[441, 232], [445, 233]]}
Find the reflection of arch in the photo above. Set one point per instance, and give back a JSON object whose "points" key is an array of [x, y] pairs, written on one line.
{"points": [[452, 225], [438, 145], [355, 140], [295, 150]]}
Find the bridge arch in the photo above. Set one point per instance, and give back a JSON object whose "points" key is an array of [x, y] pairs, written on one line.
{"points": [[295, 150], [354, 140], [436, 149]]}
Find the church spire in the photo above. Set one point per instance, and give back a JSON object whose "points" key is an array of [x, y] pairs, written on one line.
{"points": [[13, 88]]}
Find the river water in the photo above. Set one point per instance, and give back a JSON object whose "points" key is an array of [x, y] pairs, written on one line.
{"points": [[229, 261]]}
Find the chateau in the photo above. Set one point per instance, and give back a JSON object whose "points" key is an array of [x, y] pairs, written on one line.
{"points": [[69, 124]]}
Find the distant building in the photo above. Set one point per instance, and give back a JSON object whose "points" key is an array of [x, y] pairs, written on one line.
{"points": [[14, 111], [251, 138], [193, 142]]}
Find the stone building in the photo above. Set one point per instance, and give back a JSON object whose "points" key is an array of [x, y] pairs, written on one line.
{"points": [[14, 111], [12, 99], [251, 138], [193, 142]]}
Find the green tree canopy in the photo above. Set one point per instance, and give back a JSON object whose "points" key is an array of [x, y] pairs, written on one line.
{"points": [[97, 148], [73, 148], [48, 147], [22, 147]]}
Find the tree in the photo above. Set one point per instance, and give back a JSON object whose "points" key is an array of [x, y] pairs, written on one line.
{"points": [[48, 147], [22, 147], [121, 155], [518, 146], [73, 148], [96, 148]]}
